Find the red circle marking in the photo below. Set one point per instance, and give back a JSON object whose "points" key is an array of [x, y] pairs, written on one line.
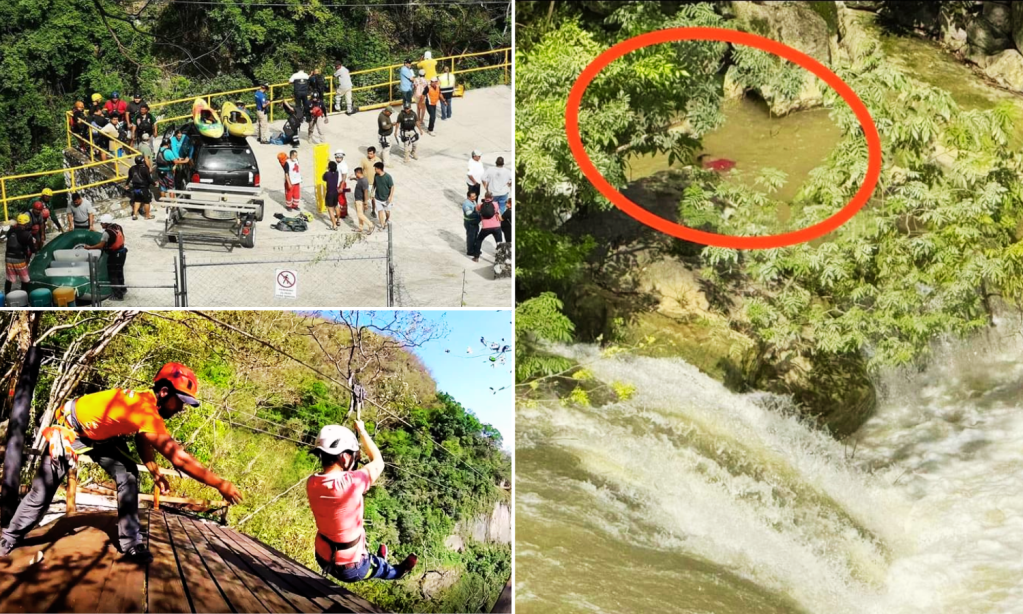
{"points": [[809, 233], [285, 279]]}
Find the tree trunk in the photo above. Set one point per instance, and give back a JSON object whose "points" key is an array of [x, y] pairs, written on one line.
{"points": [[14, 457]]}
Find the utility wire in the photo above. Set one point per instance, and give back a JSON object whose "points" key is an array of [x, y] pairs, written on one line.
{"points": [[332, 379]]}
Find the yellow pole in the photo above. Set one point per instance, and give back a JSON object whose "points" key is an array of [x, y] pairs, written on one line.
{"points": [[68, 127], [3, 195], [92, 147], [390, 84], [271, 103]]}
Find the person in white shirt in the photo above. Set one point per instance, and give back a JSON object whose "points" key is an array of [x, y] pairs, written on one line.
{"points": [[474, 174], [498, 181], [300, 86], [292, 183], [343, 88], [342, 172]]}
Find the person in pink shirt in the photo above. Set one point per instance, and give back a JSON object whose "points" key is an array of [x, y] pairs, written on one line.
{"points": [[335, 496], [490, 218]]}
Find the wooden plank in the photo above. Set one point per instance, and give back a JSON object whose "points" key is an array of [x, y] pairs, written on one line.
{"points": [[230, 579], [202, 587], [125, 589], [167, 592], [71, 562], [273, 574], [345, 600]]}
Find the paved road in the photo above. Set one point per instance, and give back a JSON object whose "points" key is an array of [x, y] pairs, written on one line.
{"points": [[428, 237]]}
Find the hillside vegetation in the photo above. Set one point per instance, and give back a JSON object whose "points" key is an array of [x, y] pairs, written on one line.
{"points": [[261, 409]]}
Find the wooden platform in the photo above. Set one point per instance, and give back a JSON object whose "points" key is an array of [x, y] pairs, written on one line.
{"points": [[197, 567]]}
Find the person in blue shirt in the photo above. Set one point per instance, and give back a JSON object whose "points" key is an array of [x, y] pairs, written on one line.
{"points": [[262, 105], [182, 149], [407, 75]]}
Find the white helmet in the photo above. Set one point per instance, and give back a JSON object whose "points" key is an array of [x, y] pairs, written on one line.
{"points": [[339, 153], [106, 218], [335, 439], [428, 55]]}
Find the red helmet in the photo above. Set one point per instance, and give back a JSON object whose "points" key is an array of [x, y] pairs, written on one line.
{"points": [[38, 205], [182, 379], [46, 214]]}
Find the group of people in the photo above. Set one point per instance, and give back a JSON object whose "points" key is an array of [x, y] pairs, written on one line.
{"points": [[491, 216], [28, 234], [97, 425], [373, 189], [112, 123]]}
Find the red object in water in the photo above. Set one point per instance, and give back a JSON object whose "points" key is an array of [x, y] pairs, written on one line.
{"points": [[720, 165]]}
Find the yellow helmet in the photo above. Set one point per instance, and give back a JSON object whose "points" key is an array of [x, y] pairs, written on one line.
{"points": [[47, 192], [97, 97], [24, 218]]}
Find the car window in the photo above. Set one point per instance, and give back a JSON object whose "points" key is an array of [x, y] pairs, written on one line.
{"points": [[227, 159]]}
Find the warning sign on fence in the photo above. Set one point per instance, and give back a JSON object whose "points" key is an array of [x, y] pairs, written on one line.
{"points": [[286, 284]]}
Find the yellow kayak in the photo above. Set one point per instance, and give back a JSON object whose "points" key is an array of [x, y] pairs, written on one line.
{"points": [[206, 120], [237, 121]]}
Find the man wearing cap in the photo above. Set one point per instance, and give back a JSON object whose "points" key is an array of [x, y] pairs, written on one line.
{"points": [[385, 127], [112, 242], [342, 174], [145, 147], [336, 499], [142, 122], [407, 130], [474, 174], [343, 85], [95, 425], [262, 106], [133, 108], [80, 213], [406, 76], [115, 107], [20, 247]]}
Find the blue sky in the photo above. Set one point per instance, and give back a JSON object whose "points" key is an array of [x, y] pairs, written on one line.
{"points": [[470, 377]]}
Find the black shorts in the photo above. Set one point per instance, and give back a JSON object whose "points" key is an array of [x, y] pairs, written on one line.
{"points": [[141, 195]]}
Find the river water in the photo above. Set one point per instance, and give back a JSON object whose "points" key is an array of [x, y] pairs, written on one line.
{"points": [[691, 498]]}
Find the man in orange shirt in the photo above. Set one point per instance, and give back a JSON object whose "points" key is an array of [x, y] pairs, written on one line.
{"points": [[98, 421], [335, 496]]}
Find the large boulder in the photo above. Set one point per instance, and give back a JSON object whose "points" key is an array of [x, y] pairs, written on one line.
{"points": [[984, 40], [795, 25], [999, 17], [1007, 69]]}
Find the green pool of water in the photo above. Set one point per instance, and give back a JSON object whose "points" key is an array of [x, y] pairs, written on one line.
{"points": [[753, 139]]}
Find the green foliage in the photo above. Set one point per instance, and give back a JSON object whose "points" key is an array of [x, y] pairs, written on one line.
{"points": [[917, 263], [536, 320], [59, 51]]}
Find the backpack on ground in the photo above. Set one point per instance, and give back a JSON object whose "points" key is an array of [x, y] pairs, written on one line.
{"points": [[297, 223], [488, 210]]}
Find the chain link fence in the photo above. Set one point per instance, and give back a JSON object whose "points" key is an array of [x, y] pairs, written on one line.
{"points": [[335, 270]]}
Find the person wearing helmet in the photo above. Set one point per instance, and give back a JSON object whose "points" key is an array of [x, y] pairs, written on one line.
{"points": [[115, 107], [336, 499], [112, 242], [407, 129], [429, 65], [96, 105], [81, 215], [46, 197], [95, 425], [20, 247], [80, 124], [140, 187]]}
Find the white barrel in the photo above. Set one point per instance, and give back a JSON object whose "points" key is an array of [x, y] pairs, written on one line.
{"points": [[75, 255]]}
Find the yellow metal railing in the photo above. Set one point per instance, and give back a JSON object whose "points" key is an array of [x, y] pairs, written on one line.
{"points": [[117, 163]]}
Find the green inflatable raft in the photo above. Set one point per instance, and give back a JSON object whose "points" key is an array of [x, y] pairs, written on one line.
{"points": [[44, 260]]}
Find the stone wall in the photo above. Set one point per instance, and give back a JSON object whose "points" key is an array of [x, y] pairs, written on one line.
{"points": [[107, 198], [492, 529]]}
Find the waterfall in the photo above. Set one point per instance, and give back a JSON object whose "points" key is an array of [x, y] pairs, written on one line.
{"points": [[688, 497]]}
